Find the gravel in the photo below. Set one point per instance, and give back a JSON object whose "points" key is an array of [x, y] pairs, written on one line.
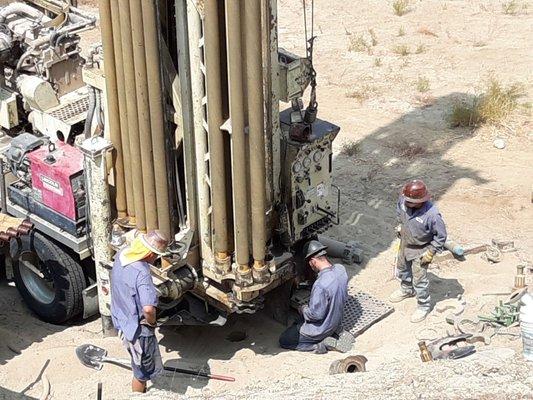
{"points": [[496, 373]]}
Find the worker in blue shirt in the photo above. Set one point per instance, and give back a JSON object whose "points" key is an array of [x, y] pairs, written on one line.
{"points": [[319, 327], [423, 233], [133, 305]]}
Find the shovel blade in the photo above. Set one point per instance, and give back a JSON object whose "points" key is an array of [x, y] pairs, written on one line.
{"points": [[91, 356]]}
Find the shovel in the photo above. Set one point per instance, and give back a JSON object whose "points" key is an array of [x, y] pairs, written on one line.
{"points": [[93, 357]]}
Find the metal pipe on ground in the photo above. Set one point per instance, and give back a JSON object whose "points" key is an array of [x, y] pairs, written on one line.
{"points": [[254, 76], [157, 117], [122, 112], [106, 27], [200, 135], [238, 141], [143, 113], [216, 139], [131, 111]]}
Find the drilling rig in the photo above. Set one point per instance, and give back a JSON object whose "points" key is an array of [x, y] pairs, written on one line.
{"points": [[195, 125]]}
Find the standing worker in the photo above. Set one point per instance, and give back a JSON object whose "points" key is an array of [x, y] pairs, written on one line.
{"points": [[422, 233], [319, 326], [133, 305]]}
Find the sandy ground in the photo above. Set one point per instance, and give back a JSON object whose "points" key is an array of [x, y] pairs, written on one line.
{"points": [[482, 192]]}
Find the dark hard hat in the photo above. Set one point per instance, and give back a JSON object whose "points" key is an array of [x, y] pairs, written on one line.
{"points": [[415, 191], [314, 248]]}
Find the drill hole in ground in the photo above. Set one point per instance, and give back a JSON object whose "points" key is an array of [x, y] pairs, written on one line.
{"points": [[236, 336]]}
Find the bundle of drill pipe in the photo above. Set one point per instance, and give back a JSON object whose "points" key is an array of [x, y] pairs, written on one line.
{"points": [[135, 109], [11, 227]]}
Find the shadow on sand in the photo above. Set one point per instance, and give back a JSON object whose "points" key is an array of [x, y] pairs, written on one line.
{"points": [[413, 146]]}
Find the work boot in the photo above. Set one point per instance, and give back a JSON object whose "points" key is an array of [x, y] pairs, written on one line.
{"points": [[343, 342], [399, 295], [419, 315], [320, 348]]}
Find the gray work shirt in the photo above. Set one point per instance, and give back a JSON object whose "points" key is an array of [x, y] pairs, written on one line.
{"points": [[422, 228], [131, 290], [323, 315]]}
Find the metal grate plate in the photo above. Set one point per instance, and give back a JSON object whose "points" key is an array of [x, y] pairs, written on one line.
{"points": [[362, 311], [72, 112]]}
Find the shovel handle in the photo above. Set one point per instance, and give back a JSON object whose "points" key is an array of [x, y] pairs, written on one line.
{"points": [[199, 373]]}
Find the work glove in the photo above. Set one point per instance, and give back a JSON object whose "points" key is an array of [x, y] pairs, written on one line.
{"points": [[427, 257], [146, 323]]}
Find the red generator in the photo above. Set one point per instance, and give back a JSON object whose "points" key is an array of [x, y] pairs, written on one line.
{"points": [[56, 188]]}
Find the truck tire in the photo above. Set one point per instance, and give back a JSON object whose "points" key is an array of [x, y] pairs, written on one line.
{"points": [[49, 279]]}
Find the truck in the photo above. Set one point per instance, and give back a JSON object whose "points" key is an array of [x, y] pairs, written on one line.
{"points": [[187, 118]]}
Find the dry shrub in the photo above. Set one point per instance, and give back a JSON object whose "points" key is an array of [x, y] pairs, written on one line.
{"points": [[422, 84], [510, 7], [358, 43], [400, 7], [491, 107], [373, 37], [401, 50], [424, 100], [361, 93], [401, 31], [420, 49], [378, 62], [409, 150], [426, 31], [350, 149]]}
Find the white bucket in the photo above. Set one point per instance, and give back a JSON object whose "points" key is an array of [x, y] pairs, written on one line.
{"points": [[526, 325]]}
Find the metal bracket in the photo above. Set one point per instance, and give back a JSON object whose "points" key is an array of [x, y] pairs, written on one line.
{"points": [[95, 147]]}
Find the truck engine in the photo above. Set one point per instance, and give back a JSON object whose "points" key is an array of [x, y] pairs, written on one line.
{"points": [[41, 86]]}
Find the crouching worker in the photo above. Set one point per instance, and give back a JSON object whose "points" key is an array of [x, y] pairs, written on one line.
{"points": [[319, 327], [133, 305]]}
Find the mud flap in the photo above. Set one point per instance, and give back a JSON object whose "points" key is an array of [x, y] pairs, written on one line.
{"points": [[90, 301]]}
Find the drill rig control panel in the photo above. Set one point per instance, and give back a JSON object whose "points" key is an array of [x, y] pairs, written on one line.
{"points": [[311, 199]]}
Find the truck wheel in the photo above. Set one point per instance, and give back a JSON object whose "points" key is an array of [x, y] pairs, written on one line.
{"points": [[49, 280]]}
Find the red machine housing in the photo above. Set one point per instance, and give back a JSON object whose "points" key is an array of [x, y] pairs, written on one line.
{"points": [[52, 174]]}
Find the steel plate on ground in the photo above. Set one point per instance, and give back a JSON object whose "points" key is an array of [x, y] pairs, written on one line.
{"points": [[362, 311]]}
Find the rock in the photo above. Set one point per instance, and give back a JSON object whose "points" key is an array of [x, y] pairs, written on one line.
{"points": [[499, 143]]}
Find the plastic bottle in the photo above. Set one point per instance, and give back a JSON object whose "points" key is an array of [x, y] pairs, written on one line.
{"points": [[526, 325]]}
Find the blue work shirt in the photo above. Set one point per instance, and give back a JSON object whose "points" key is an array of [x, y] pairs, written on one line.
{"points": [[132, 289], [422, 228], [323, 315]]}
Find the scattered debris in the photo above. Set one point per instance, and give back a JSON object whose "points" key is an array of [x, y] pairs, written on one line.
{"points": [[447, 348], [425, 354], [493, 254], [516, 295], [520, 277], [348, 365], [505, 314], [426, 334], [458, 306], [505, 246], [499, 143]]}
